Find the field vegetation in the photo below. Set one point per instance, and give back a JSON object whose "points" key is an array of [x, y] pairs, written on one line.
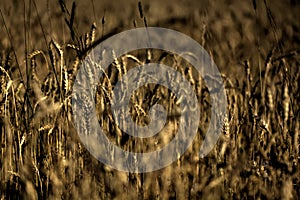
{"points": [[256, 46]]}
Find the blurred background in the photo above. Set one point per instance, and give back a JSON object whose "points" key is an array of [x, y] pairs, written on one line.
{"points": [[231, 30]]}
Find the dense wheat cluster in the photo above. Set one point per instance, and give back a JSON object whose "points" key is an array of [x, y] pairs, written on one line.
{"points": [[255, 45]]}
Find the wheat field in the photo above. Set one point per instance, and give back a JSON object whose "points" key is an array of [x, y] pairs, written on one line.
{"points": [[256, 46]]}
